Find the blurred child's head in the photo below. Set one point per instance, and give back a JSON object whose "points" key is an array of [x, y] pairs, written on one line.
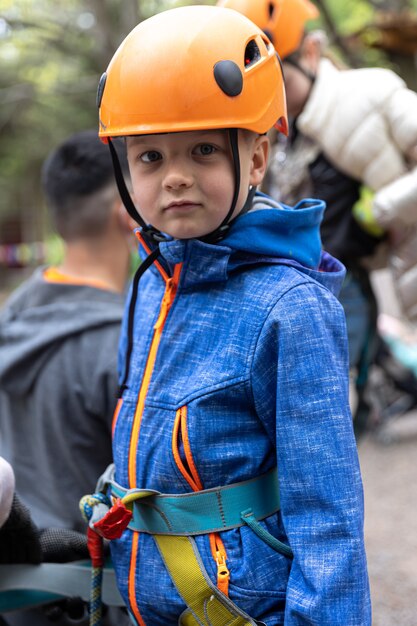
{"points": [[284, 21], [193, 90]]}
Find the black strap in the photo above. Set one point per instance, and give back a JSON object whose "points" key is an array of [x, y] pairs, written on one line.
{"points": [[234, 144], [220, 232], [121, 186], [131, 315], [152, 233], [294, 62]]}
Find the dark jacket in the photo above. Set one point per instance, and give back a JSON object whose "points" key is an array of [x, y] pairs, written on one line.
{"points": [[58, 354]]}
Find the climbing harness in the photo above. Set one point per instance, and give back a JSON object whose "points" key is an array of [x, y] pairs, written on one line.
{"points": [[174, 519]]}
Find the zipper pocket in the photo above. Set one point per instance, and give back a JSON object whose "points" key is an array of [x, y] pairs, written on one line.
{"points": [[184, 461]]}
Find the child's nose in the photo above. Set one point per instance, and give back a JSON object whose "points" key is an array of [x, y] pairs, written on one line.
{"points": [[177, 177]]}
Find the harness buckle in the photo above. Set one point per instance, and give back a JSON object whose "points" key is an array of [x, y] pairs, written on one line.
{"points": [[115, 522]]}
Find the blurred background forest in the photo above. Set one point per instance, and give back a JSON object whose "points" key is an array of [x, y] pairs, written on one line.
{"points": [[52, 53]]}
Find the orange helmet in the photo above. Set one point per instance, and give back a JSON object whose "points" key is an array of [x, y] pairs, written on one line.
{"points": [[282, 20], [192, 68]]}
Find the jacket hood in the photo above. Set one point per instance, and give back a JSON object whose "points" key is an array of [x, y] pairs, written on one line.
{"points": [[269, 233], [39, 316], [275, 229]]}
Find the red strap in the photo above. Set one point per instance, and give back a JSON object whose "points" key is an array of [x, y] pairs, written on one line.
{"points": [[95, 548]]}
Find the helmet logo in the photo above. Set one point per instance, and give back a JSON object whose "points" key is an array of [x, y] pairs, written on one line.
{"points": [[100, 89], [228, 77]]}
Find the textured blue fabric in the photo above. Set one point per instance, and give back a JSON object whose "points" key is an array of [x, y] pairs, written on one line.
{"points": [[255, 347]]}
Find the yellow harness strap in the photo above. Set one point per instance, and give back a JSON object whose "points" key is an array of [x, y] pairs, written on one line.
{"points": [[207, 606]]}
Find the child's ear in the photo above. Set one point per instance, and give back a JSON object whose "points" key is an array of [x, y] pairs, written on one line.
{"points": [[259, 160]]}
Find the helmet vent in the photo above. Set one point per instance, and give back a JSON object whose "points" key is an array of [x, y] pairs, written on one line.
{"points": [[252, 53], [271, 9], [228, 77], [267, 42]]}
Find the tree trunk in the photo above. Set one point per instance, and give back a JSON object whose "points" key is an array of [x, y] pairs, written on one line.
{"points": [[335, 36]]}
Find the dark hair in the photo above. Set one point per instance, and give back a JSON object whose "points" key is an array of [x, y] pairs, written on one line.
{"points": [[79, 185]]}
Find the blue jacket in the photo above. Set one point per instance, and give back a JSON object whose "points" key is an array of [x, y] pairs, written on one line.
{"points": [[240, 367]]}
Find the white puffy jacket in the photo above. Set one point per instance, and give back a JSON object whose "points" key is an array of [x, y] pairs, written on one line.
{"points": [[365, 121]]}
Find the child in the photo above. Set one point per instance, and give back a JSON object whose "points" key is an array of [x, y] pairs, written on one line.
{"points": [[233, 352]]}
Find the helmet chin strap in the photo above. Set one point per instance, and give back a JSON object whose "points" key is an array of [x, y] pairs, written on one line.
{"points": [[291, 61], [220, 232], [149, 232]]}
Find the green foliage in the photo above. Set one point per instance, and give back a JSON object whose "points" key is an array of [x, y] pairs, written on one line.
{"points": [[350, 15], [48, 91], [54, 250]]}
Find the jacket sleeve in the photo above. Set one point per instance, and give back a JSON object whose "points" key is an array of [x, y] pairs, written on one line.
{"points": [[395, 204], [301, 394]]}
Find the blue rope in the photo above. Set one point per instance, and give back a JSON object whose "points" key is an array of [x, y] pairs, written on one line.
{"points": [[87, 504]]}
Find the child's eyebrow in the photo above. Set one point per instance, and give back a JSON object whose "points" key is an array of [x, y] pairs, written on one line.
{"points": [[135, 139], [202, 134]]}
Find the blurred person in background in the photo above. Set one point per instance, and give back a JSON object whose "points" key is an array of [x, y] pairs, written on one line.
{"points": [[353, 144], [59, 334]]}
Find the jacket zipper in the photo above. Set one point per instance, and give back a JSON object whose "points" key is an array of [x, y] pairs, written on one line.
{"points": [[171, 285], [218, 552], [167, 300]]}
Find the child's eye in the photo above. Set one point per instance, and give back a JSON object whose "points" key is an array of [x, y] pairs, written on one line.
{"points": [[151, 156], [205, 149]]}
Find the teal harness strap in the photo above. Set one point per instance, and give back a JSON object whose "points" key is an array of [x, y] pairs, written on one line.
{"points": [[201, 512]]}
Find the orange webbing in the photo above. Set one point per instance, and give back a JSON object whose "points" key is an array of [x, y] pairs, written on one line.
{"points": [[116, 415], [54, 275]]}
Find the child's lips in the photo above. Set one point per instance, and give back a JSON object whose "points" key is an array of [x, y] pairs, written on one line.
{"points": [[182, 205]]}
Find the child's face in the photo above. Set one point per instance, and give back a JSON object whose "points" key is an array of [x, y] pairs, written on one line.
{"points": [[183, 183]]}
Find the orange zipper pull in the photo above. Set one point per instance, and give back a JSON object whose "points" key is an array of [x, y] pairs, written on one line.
{"points": [[223, 574], [165, 304]]}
